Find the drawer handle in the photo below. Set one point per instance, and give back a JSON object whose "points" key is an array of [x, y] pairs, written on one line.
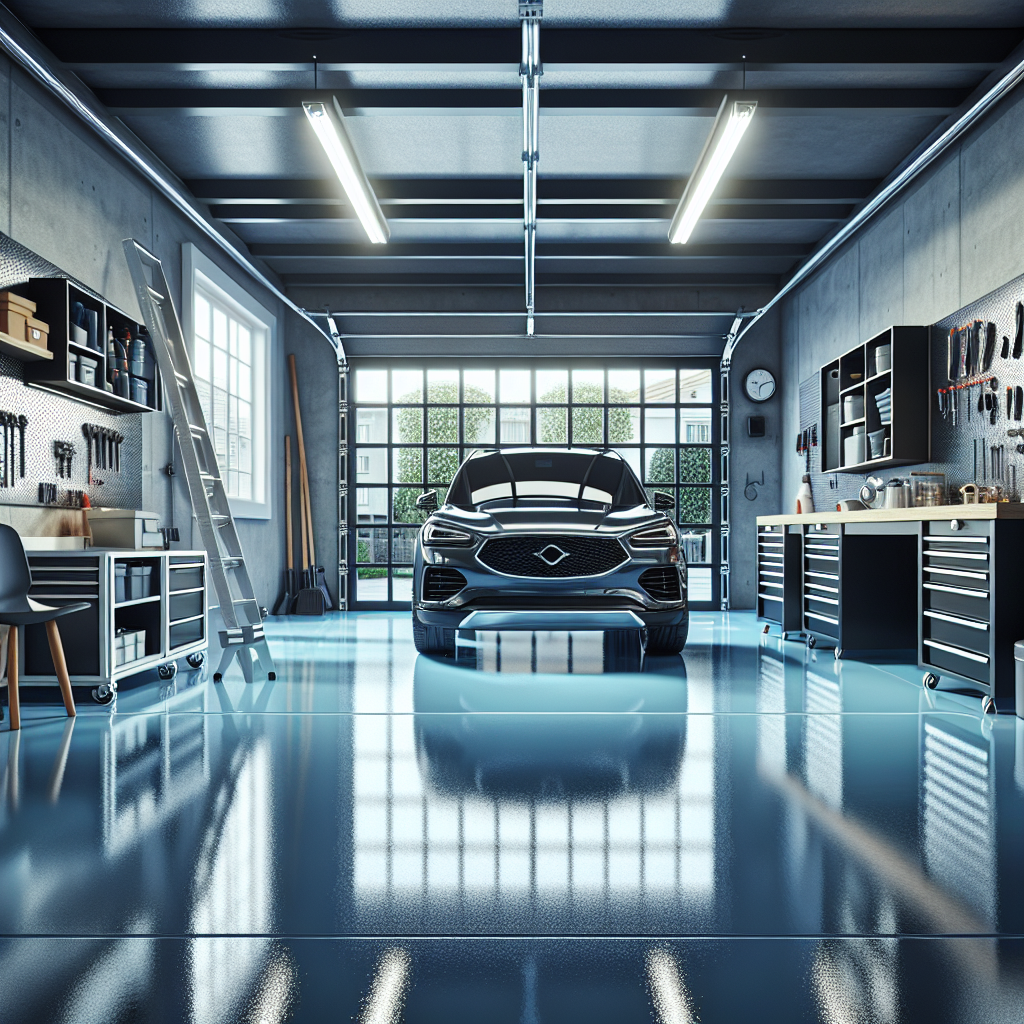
{"points": [[932, 538], [780, 575], [818, 597], [825, 558], [949, 649], [824, 618], [770, 597], [821, 586], [957, 572], [777, 586], [956, 554], [956, 590], [972, 623], [823, 576]]}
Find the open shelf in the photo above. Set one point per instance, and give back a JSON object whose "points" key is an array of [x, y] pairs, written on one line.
{"points": [[138, 600], [23, 350], [852, 423]]}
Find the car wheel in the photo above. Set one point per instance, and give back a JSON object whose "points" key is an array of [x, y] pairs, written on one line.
{"points": [[432, 639], [668, 639]]}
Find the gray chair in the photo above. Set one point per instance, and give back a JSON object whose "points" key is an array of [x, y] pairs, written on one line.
{"points": [[17, 609]]}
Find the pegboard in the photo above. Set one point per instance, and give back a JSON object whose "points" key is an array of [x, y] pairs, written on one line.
{"points": [[54, 417], [953, 448]]}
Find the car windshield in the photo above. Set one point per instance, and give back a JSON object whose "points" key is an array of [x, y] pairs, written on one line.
{"points": [[516, 475]]}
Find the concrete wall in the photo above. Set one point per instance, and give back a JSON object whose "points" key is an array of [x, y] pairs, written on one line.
{"points": [[67, 197], [953, 237]]}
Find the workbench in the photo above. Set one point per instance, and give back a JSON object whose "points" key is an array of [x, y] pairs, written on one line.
{"points": [[941, 581]]}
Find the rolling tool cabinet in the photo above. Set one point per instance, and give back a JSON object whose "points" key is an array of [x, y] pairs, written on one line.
{"points": [[157, 598], [778, 577], [970, 603]]}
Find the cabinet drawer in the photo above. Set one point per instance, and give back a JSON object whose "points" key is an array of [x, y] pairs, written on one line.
{"points": [[947, 657], [968, 528], [186, 633], [185, 579], [947, 597], [185, 606], [962, 579], [957, 630], [822, 622], [823, 530], [969, 561]]}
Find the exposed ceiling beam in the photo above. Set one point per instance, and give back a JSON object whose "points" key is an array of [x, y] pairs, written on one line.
{"points": [[241, 213], [610, 46], [483, 250], [699, 102], [674, 278], [461, 191]]}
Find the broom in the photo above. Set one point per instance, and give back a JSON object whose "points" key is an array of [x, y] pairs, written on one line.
{"points": [[284, 602], [310, 599]]}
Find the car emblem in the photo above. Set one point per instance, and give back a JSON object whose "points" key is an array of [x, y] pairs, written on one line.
{"points": [[551, 555]]}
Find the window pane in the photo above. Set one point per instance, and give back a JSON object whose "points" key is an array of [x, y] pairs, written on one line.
{"points": [[587, 386], [695, 426], [478, 386], [552, 425], [245, 486], [406, 386], [220, 329], [443, 424], [371, 544], [478, 425], [372, 584], [244, 381], [694, 505], [201, 360], [403, 505], [371, 385], [407, 466], [245, 455], [202, 317], [244, 344], [699, 585], [220, 368], [372, 425], [623, 424], [441, 465], [587, 426], [515, 386], [661, 465], [443, 386], [233, 337], [233, 376], [660, 426], [244, 423], [694, 385], [659, 386], [372, 504], [623, 386], [696, 545], [552, 386], [220, 409], [372, 466], [407, 425], [403, 544], [401, 584], [695, 465], [515, 425]]}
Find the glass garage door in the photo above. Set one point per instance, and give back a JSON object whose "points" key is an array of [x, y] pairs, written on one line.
{"points": [[415, 422]]}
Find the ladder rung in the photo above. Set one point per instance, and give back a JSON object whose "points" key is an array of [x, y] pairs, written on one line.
{"points": [[183, 378], [196, 429], [154, 293]]}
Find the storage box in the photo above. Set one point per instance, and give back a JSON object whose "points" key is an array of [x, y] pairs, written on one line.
{"points": [[129, 646], [15, 311], [125, 528], [139, 581], [120, 572], [72, 366], [87, 371], [37, 333], [139, 390]]}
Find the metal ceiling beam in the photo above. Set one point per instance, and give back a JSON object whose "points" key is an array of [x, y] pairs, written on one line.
{"points": [[581, 250], [696, 102], [550, 190], [597, 278], [612, 46]]}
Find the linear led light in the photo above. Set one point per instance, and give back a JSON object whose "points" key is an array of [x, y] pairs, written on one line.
{"points": [[731, 122], [330, 130]]}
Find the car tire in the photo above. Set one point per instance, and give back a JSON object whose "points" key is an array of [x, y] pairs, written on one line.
{"points": [[668, 639], [432, 639]]}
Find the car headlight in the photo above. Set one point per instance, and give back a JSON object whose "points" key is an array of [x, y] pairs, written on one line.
{"points": [[659, 537], [439, 535]]}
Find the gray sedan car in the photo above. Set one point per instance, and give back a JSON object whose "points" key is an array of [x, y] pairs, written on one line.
{"points": [[548, 531]]}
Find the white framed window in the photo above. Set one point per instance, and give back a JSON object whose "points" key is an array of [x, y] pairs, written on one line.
{"points": [[362, 495], [364, 463], [232, 338], [698, 433]]}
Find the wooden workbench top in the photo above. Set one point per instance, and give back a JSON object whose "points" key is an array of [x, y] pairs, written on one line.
{"points": [[989, 510]]}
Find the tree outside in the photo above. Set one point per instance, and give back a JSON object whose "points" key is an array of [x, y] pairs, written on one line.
{"points": [[587, 423]]}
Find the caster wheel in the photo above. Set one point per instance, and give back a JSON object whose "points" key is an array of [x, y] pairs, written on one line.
{"points": [[931, 680], [839, 654], [168, 671], [196, 660], [217, 677], [271, 676], [988, 706], [104, 693], [263, 613], [811, 643]]}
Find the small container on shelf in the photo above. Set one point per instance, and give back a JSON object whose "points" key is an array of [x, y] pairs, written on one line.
{"points": [[87, 369], [929, 488], [120, 576], [37, 333], [139, 390], [139, 581], [15, 312], [72, 366]]}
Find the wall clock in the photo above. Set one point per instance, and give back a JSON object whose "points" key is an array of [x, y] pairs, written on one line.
{"points": [[759, 385]]}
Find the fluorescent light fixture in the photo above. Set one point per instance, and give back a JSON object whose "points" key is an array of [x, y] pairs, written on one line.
{"points": [[330, 130], [732, 120]]}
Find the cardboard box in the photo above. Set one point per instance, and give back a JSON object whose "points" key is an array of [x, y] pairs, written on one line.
{"points": [[125, 528], [15, 312], [37, 333]]}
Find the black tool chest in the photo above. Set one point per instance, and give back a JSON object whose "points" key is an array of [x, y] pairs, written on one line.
{"points": [[858, 586], [778, 576], [970, 613]]}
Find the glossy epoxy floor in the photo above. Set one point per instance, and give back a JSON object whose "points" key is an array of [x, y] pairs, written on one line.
{"points": [[750, 832]]}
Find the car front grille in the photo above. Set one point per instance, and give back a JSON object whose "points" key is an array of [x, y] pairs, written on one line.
{"points": [[442, 584], [662, 583], [551, 557]]}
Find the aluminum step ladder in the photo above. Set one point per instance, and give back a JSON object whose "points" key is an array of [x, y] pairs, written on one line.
{"points": [[243, 633]]}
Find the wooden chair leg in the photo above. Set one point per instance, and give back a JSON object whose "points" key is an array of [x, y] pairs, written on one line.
{"points": [[12, 678], [57, 653]]}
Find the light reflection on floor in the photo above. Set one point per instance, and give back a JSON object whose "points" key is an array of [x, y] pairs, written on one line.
{"points": [[549, 827]]}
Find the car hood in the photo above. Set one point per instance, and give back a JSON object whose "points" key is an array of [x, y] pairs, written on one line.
{"points": [[559, 518]]}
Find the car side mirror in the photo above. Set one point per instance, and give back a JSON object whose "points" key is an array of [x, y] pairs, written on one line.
{"points": [[427, 501], [663, 502]]}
